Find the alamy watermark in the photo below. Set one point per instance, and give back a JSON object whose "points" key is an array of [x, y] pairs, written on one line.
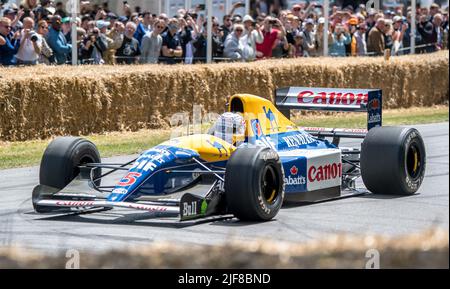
{"points": [[373, 256], [73, 257]]}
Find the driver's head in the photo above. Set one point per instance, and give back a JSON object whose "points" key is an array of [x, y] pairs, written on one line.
{"points": [[231, 128]]}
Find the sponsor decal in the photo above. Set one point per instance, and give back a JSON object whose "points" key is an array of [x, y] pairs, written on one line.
{"points": [[263, 205], [271, 117], [324, 172], [294, 179], [256, 127], [218, 146], [374, 104], [146, 208], [189, 209], [119, 191], [294, 170], [270, 155], [298, 139], [129, 179], [374, 111], [75, 203], [332, 98]]}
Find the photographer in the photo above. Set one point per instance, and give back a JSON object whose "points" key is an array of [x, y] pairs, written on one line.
{"points": [[264, 50], [30, 44], [252, 36], [341, 37]]}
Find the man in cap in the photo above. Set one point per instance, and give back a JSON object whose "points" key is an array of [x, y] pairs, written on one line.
{"points": [[309, 38], [252, 36], [57, 41], [14, 15]]}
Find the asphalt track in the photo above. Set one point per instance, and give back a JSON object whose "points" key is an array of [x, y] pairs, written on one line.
{"points": [[120, 228]]}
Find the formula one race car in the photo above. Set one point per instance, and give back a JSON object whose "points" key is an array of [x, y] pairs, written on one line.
{"points": [[251, 161]]}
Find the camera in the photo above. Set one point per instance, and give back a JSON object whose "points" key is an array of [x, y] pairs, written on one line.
{"points": [[33, 36]]}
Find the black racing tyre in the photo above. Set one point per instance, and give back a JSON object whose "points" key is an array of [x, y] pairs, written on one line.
{"points": [[59, 165], [393, 160], [254, 184]]}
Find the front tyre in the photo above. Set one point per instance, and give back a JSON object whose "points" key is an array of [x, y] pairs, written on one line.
{"points": [[61, 159], [393, 160], [254, 184]]}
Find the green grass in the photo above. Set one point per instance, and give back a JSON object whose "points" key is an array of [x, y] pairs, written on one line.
{"points": [[28, 153]]}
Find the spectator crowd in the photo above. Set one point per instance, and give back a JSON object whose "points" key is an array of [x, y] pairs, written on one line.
{"points": [[40, 32]]}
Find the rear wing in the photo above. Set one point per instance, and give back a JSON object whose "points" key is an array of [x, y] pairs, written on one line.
{"points": [[332, 99]]}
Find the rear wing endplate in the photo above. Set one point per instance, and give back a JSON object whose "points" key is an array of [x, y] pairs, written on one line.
{"points": [[332, 99]]}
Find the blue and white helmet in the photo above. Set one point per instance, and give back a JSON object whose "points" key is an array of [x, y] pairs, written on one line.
{"points": [[230, 127]]}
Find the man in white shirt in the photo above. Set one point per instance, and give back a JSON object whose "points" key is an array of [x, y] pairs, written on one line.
{"points": [[252, 36], [30, 44]]}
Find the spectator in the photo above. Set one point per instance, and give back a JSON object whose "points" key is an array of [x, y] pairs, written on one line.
{"points": [[14, 15], [388, 32], [30, 44], [129, 50], [407, 37], [227, 26], [341, 37], [309, 38], [264, 50], [233, 45], [398, 34], [251, 37], [298, 46], [9, 42], [57, 41], [171, 47], [319, 36], [359, 44], [375, 41], [152, 43], [116, 34], [46, 51], [144, 26], [200, 44], [187, 28]]}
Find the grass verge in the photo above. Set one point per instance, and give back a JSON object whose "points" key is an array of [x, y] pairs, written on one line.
{"points": [[28, 153]]}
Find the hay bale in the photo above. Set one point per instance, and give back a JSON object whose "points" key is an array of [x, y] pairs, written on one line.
{"points": [[39, 102]]}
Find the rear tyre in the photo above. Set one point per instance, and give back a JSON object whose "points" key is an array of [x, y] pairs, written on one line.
{"points": [[254, 184], [393, 160], [59, 165]]}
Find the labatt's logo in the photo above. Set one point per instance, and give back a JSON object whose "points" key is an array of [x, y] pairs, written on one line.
{"points": [[324, 172], [293, 179], [336, 98]]}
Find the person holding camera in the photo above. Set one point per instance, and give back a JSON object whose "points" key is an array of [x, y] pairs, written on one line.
{"points": [[341, 38], [271, 35], [30, 44], [252, 36]]}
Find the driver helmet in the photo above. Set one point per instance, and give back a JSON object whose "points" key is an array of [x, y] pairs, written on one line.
{"points": [[230, 127]]}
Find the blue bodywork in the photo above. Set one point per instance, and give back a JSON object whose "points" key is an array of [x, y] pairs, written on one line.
{"points": [[148, 175]]}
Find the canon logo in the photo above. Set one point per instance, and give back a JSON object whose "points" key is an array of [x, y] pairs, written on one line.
{"points": [[325, 172], [75, 203], [336, 98]]}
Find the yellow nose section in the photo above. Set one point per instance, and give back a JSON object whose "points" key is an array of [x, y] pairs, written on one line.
{"points": [[209, 147]]}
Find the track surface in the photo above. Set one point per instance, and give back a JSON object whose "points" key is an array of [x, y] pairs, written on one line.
{"points": [[19, 225]]}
